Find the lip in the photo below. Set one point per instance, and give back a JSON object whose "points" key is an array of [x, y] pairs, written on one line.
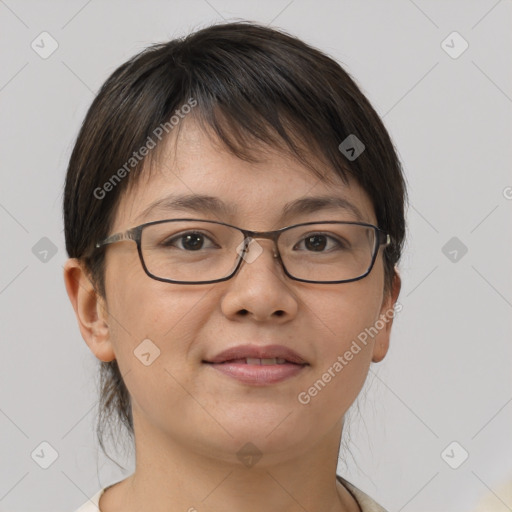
{"points": [[259, 352], [228, 362]]}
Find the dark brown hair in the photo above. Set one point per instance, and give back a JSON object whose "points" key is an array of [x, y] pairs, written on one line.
{"points": [[252, 85]]}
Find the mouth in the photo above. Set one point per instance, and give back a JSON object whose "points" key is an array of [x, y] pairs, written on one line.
{"points": [[258, 366], [255, 361]]}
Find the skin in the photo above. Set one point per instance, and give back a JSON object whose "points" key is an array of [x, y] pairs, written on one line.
{"points": [[190, 420]]}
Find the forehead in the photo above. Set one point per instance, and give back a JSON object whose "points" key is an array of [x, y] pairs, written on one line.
{"points": [[194, 172]]}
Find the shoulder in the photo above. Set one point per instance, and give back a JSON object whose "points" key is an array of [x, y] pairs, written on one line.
{"points": [[364, 501], [92, 504]]}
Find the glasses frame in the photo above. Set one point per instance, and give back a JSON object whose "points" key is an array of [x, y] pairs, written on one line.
{"points": [[381, 239]]}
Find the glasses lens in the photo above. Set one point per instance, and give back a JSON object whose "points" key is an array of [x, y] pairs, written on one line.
{"points": [[190, 250], [328, 252]]}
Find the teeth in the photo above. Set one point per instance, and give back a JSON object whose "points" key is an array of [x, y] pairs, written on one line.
{"points": [[274, 360], [252, 360]]}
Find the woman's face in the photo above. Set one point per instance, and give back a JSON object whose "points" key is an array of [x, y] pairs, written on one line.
{"points": [[178, 396]]}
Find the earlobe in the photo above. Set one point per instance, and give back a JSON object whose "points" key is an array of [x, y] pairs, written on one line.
{"points": [[90, 310], [387, 314]]}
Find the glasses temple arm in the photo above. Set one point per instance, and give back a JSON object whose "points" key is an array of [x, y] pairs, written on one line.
{"points": [[117, 237]]}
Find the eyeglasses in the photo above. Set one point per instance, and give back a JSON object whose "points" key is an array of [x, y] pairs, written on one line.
{"points": [[192, 251]]}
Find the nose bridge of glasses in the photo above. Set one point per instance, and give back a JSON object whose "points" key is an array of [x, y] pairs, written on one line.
{"points": [[263, 235]]}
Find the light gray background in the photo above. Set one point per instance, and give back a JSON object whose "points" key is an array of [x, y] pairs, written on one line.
{"points": [[447, 376]]}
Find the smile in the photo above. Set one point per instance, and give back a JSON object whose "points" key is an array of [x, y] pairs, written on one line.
{"points": [[259, 372]]}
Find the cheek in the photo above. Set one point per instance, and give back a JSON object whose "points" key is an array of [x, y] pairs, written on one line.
{"points": [[155, 318], [344, 349], [344, 312], [154, 329], [152, 325], [145, 307]]}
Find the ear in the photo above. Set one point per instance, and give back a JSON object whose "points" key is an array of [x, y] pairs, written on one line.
{"points": [[90, 309], [386, 315]]}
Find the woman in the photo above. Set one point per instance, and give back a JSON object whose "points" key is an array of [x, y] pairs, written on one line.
{"points": [[234, 214]]}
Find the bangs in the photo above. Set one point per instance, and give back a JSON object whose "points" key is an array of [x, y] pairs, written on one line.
{"points": [[248, 98], [250, 137]]}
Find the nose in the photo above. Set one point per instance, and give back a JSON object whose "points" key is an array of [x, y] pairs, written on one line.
{"points": [[260, 289]]}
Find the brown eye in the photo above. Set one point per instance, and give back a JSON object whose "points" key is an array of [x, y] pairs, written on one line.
{"points": [[316, 242], [188, 241], [319, 242], [192, 242]]}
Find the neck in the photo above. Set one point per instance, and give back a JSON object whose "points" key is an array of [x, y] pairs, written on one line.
{"points": [[173, 476]]}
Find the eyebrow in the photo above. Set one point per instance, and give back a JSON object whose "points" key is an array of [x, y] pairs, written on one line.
{"points": [[199, 203]]}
